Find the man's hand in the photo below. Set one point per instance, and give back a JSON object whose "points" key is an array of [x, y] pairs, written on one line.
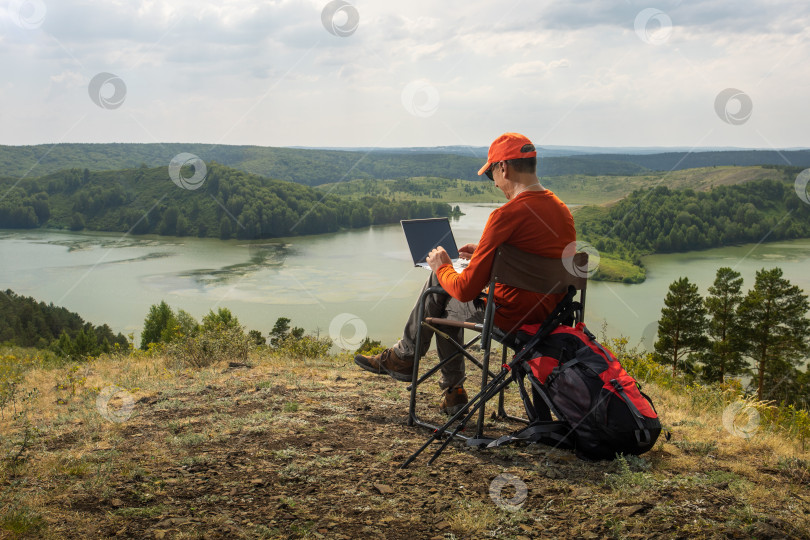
{"points": [[466, 251], [438, 257]]}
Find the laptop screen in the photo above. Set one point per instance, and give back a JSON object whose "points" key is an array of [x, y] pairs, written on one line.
{"points": [[423, 235]]}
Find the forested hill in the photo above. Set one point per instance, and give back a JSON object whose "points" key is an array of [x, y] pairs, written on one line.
{"points": [[28, 323], [315, 167], [663, 220], [308, 167], [228, 203]]}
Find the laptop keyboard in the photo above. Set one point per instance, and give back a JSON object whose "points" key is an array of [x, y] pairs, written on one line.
{"points": [[460, 265]]}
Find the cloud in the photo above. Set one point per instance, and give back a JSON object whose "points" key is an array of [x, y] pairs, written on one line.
{"points": [[199, 66], [69, 79], [535, 67]]}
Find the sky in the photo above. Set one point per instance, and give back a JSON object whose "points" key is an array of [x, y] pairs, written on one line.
{"points": [[418, 73]]}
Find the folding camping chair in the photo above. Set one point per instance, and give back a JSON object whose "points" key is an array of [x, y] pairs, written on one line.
{"points": [[514, 268]]}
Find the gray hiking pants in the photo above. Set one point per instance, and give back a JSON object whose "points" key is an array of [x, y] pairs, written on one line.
{"points": [[439, 305]]}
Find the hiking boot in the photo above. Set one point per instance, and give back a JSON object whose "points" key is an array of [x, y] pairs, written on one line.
{"points": [[387, 362], [453, 400]]}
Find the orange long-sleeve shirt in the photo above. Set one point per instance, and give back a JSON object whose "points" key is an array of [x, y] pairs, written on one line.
{"points": [[534, 221]]}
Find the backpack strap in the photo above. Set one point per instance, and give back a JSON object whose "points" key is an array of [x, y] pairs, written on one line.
{"points": [[533, 433], [647, 398], [643, 435], [479, 443], [601, 348], [519, 376], [541, 389]]}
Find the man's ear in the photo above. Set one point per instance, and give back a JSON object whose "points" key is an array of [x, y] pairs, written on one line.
{"points": [[504, 170]]}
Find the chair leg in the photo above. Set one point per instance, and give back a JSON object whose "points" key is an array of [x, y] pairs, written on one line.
{"points": [[417, 355], [486, 344], [441, 363], [462, 349], [413, 419], [501, 410], [502, 414]]}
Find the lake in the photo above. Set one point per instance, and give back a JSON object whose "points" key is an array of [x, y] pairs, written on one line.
{"points": [[346, 285]]}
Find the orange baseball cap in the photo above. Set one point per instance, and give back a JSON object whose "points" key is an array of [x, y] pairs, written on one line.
{"points": [[508, 146]]}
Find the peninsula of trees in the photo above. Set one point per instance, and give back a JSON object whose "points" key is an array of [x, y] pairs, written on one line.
{"points": [[662, 220]]}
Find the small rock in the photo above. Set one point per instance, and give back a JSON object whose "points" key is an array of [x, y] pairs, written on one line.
{"points": [[384, 489], [633, 510], [169, 522], [117, 503], [442, 525]]}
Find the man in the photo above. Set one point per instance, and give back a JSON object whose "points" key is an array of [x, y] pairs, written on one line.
{"points": [[533, 220]]}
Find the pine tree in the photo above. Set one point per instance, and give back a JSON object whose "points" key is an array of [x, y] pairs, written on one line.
{"points": [[724, 357], [279, 331], [682, 323], [160, 319], [85, 343], [774, 330]]}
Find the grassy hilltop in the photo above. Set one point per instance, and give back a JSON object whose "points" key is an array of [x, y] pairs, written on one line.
{"points": [[278, 445], [574, 189]]}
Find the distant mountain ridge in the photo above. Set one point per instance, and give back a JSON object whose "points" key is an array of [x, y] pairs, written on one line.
{"points": [[543, 151], [321, 166]]}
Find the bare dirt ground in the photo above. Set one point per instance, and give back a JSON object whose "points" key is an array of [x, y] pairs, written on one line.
{"points": [[283, 449]]}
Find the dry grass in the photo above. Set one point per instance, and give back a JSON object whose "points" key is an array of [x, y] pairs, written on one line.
{"points": [[298, 448]]}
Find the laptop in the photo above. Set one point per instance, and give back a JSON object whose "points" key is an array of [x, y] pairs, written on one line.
{"points": [[423, 235]]}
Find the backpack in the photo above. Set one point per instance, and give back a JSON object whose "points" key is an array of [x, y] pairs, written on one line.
{"points": [[601, 410]]}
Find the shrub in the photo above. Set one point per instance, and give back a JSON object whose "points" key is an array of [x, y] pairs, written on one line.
{"points": [[642, 366], [370, 347], [223, 317], [212, 344], [303, 347]]}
